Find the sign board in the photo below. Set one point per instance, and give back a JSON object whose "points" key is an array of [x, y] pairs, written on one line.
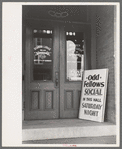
{"points": [[93, 95]]}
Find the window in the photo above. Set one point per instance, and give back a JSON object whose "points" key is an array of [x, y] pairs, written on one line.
{"points": [[42, 60], [74, 55]]}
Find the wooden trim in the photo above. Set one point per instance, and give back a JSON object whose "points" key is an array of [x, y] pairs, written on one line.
{"points": [[93, 38], [58, 21]]}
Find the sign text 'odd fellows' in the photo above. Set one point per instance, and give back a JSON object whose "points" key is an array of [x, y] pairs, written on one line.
{"points": [[93, 95]]}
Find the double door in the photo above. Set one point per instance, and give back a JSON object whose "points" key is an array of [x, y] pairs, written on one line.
{"points": [[54, 62]]}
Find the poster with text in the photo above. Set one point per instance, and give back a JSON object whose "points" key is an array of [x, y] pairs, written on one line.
{"points": [[93, 95]]}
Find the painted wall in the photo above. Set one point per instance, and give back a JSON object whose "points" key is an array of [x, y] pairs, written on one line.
{"points": [[104, 22]]}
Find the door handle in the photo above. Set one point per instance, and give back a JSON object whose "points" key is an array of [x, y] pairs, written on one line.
{"points": [[56, 82], [56, 79]]}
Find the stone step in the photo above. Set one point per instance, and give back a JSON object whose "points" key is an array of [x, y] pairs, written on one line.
{"points": [[65, 128]]}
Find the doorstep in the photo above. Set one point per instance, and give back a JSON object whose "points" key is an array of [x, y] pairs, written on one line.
{"points": [[65, 128]]}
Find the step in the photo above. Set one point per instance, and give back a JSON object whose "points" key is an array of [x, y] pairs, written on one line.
{"points": [[65, 128]]}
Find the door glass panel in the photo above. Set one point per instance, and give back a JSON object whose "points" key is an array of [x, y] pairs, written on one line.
{"points": [[42, 60], [75, 56]]}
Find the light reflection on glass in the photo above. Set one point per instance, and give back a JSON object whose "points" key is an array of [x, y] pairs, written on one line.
{"points": [[42, 58], [75, 56]]}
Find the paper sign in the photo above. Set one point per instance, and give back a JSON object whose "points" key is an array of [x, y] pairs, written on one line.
{"points": [[93, 95]]}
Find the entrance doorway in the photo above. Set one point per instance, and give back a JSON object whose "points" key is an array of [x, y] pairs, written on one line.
{"points": [[55, 54]]}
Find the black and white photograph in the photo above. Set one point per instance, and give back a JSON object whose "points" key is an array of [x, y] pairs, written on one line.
{"points": [[60, 67]]}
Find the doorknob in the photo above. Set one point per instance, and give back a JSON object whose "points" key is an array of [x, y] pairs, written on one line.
{"points": [[56, 79], [56, 82]]}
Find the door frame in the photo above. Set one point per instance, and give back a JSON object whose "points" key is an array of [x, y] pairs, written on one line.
{"points": [[87, 35]]}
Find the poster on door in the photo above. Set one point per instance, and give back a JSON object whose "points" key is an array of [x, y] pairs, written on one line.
{"points": [[93, 95]]}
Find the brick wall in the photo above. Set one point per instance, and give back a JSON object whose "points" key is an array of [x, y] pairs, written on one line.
{"points": [[105, 53]]}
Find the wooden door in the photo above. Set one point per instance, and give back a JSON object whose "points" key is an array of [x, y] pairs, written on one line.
{"points": [[53, 50], [73, 50], [41, 70]]}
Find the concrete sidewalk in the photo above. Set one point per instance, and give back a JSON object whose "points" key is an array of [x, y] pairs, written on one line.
{"points": [[83, 140], [65, 128]]}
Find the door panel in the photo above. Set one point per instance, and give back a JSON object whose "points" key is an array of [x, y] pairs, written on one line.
{"points": [[42, 63], [70, 84]]}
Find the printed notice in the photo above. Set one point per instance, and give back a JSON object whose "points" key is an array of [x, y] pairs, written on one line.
{"points": [[93, 95]]}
